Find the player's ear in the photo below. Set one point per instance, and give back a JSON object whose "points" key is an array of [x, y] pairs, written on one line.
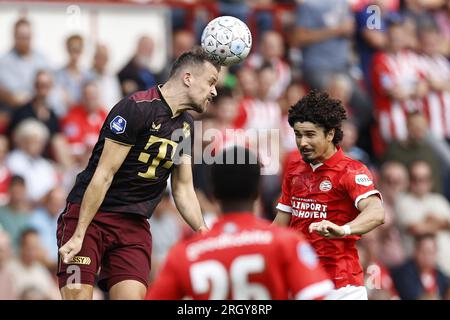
{"points": [[187, 79], [330, 135]]}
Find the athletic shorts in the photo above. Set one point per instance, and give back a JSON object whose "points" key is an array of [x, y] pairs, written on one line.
{"points": [[348, 293], [118, 245]]}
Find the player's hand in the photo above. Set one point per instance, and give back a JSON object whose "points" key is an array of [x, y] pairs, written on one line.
{"points": [[70, 249], [327, 229]]}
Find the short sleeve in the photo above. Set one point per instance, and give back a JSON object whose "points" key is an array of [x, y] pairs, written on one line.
{"points": [[284, 203], [304, 275], [359, 184], [124, 122]]}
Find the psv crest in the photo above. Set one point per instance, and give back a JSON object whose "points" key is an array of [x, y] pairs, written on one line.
{"points": [[325, 185]]}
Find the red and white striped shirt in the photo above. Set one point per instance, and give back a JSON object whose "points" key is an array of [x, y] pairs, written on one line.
{"points": [[390, 70], [436, 105]]}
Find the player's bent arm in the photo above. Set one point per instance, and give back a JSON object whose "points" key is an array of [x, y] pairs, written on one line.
{"points": [[184, 195], [282, 218], [112, 157], [371, 215]]}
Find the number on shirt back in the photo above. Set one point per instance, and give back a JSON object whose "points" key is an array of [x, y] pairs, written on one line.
{"points": [[212, 276]]}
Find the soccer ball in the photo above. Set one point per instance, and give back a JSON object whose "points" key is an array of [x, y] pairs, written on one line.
{"points": [[228, 39]]}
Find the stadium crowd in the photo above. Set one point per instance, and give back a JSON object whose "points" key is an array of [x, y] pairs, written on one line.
{"points": [[389, 64]]}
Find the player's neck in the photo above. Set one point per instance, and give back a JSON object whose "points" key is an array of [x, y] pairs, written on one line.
{"points": [[174, 98], [327, 155], [236, 206]]}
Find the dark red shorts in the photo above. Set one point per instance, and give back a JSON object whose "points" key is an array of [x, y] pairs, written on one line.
{"points": [[118, 245]]}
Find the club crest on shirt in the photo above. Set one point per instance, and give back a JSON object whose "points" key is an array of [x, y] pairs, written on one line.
{"points": [[325, 185], [118, 125], [363, 180]]}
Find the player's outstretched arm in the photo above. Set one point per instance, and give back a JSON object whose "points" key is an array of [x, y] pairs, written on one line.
{"points": [[111, 159], [370, 217], [282, 218], [184, 195]]}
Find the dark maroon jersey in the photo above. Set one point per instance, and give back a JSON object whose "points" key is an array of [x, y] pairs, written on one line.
{"points": [[145, 121]]}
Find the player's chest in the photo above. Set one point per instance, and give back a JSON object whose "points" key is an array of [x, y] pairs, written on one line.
{"points": [[323, 187]]}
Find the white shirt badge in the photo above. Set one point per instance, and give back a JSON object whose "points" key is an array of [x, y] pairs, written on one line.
{"points": [[363, 180]]}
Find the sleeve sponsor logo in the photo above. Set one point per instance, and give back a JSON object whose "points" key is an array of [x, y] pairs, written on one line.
{"points": [[118, 125], [363, 180], [307, 255]]}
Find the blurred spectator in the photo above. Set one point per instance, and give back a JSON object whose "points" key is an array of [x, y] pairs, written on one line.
{"points": [[29, 273], [420, 278], [418, 11], [234, 8], [7, 285], [182, 41], [271, 51], [436, 70], [5, 174], [378, 280], [109, 86], [324, 32], [339, 87], [415, 148], [294, 92], [442, 18], [262, 117], [421, 212], [371, 35], [71, 77], [398, 84], [14, 217], [30, 138], [136, 75], [43, 219], [393, 183], [166, 231], [19, 66], [324, 29], [348, 144], [39, 109], [82, 124]]}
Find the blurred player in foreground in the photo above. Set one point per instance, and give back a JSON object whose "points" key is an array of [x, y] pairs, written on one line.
{"points": [[242, 256], [327, 196], [145, 138]]}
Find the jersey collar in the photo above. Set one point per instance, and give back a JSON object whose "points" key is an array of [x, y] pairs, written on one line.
{"points": [[330, 162], [158, 88]]}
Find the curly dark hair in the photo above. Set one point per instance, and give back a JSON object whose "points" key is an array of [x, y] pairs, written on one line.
{"points": [[317, 107]]}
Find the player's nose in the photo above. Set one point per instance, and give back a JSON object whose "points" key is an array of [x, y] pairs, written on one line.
{"points": [[214, 91], [302, 142]]}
